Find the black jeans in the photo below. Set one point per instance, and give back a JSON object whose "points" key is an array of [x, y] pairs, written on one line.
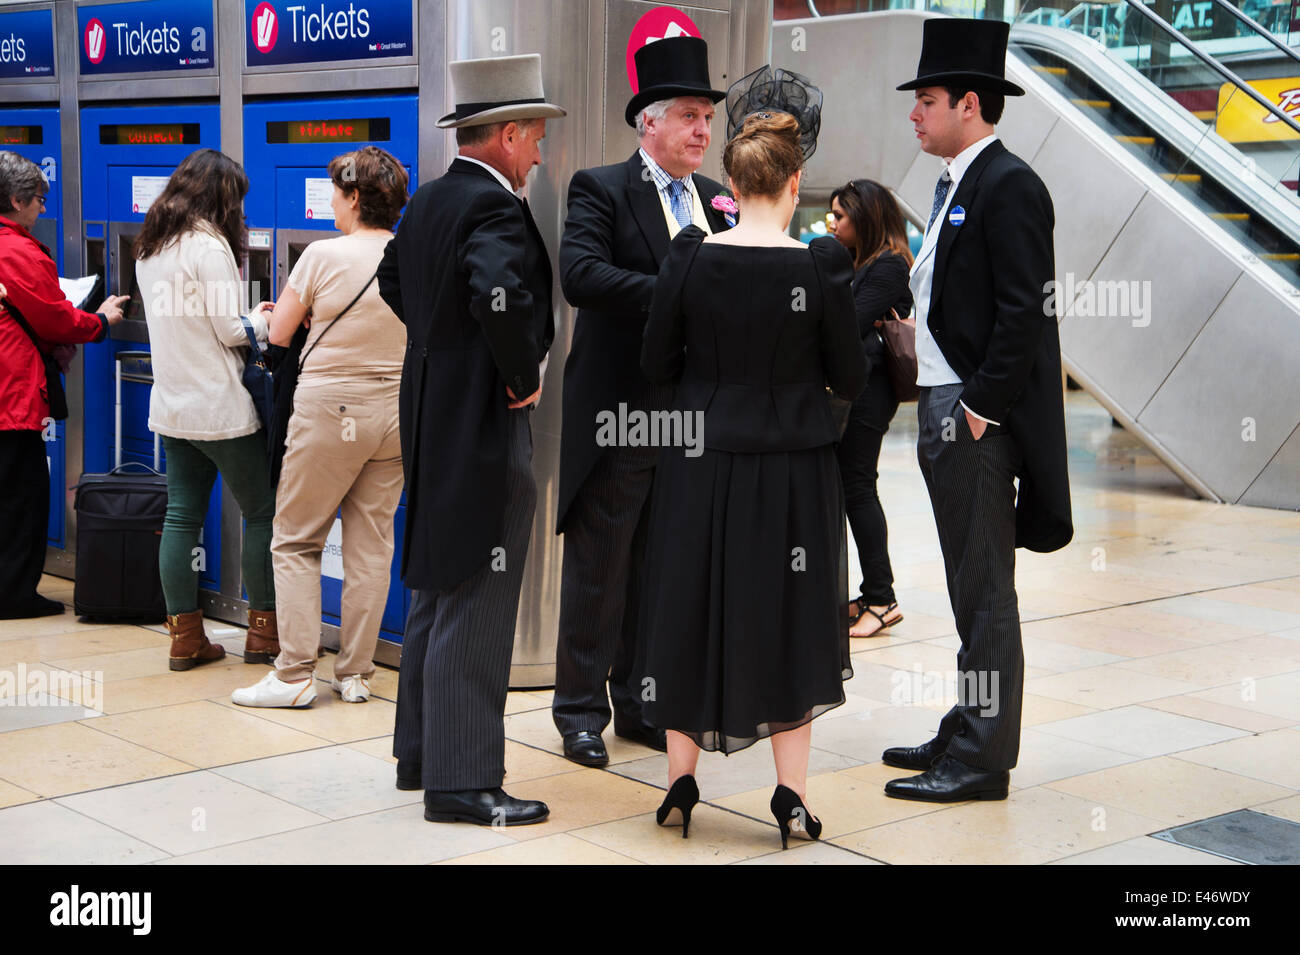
{"points": [[24, 519], [859, 457]]}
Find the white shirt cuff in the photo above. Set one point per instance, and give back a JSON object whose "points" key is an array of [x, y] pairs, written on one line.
{"points": [[980, 416]]}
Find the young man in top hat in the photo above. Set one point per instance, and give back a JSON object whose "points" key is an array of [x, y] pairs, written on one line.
{"points": [[470, 276], [621, 219], [991, 411]]}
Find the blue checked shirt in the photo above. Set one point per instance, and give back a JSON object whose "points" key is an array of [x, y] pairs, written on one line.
{"points": [[663, 182]]}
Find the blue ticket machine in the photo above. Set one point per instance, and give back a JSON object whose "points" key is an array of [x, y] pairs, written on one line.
{"points": [[34, 134], [288, 145], [127, 155]]}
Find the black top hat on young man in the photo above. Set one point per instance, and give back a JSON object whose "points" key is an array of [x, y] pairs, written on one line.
{"points": [[959, 52], [676, 66]]}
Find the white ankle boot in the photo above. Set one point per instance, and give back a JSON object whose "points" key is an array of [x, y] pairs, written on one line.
{"points": [[272, 691]]}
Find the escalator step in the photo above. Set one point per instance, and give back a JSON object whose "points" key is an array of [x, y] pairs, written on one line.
{"points": [[1137, 140], [1204, 114], [1181, 176], [1094, 103], [1052, 70], [1281, 256], [1231, 216]]}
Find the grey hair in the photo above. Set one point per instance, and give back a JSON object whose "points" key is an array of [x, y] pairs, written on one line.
{"points": [[656, 111], [20, 181], [474, 135]]}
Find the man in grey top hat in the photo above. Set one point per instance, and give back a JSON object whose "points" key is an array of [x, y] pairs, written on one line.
{"points": [[470, 276]]}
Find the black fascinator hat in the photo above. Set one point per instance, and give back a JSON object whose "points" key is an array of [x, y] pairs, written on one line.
{"points": [[776, 91]]}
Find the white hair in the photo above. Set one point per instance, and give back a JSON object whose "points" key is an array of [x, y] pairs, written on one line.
{"points": [[656, 111]]}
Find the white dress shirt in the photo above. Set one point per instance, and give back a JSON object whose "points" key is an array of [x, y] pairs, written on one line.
{"points": [[932, 369]]}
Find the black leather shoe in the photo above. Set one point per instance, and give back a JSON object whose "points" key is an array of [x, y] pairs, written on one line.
{"points": [[484, 807], [408, 775], [645, 735], [950, 780], [586, 748], [913, 757]]}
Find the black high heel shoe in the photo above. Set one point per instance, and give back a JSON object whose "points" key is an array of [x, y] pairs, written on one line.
{"points": [[682, 797], [793, 816]]}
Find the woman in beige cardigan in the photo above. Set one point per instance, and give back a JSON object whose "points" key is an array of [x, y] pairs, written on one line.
{"points": [[189, 276]]}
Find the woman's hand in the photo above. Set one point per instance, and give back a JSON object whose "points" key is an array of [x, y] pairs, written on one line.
{"points": [[111, 308]]}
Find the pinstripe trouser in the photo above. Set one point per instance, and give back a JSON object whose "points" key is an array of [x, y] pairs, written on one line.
{"points": [[973, 493], [451, 694], [600, 589]]}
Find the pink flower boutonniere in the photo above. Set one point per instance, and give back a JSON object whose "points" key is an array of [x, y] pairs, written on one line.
{"points": [[727, 206]]}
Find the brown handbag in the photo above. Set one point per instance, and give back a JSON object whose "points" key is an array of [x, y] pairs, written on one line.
{"points": [[899, 338]]}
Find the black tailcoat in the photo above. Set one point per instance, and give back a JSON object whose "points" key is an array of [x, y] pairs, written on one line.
{"points": [[615, 238], [469, 275], [991, 316]]}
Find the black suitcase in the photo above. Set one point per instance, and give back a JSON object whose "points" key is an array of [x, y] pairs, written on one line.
{"points": [[119, 527]]}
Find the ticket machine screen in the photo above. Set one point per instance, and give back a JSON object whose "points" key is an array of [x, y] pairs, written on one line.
{"points": [[21, 135]]}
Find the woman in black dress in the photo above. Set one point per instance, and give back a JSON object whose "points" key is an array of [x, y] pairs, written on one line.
{"points": [[745, 629], [866, 220]]}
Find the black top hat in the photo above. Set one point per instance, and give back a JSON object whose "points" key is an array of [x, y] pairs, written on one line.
{"points": [[958, 52], [676, 66]]}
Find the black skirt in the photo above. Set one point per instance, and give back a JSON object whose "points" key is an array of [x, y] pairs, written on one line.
{"points": [[744, 620]]}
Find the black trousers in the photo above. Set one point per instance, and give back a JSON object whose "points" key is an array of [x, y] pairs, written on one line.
{"points": [[451, 691], [24, 519], [600, 589], [973, 493], [859, 457]]}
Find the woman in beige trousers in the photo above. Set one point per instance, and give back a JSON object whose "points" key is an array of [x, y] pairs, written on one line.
{"points": [[343, 453]]}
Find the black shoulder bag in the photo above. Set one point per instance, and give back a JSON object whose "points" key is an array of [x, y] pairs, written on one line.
{"points": [[285, 365]]}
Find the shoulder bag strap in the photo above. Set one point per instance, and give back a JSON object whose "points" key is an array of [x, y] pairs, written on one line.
{"points": [[346, 309]]}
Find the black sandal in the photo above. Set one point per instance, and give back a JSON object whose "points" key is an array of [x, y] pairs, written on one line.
{"points": [[862, 608], [881, 617]]}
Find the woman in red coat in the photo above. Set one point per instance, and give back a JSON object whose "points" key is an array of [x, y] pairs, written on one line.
{"points": [[35, 320]]}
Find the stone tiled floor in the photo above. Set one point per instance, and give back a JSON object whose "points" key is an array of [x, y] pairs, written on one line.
{"points": [[1163, 686]]}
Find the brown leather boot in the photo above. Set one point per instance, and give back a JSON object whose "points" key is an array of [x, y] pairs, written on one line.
{"points": [[262, 645], [190, 646]]}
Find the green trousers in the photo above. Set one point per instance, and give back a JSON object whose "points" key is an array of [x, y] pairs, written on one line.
{"points": [[192, 467]]}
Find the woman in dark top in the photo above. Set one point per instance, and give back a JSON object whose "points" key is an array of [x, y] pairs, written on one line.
{"points": [[745, 634], [866, 220]]}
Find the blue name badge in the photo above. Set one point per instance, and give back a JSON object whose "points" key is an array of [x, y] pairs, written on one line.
{"points": [[957, 215]]}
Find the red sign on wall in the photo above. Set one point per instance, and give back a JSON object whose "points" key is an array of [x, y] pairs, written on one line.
{"points": [[661, 23]]}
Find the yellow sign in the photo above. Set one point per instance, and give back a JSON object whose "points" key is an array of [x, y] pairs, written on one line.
{"points": [[1242, 120]]}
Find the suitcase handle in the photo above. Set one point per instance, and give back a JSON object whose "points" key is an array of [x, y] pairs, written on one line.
{"points": [[121, 468]]}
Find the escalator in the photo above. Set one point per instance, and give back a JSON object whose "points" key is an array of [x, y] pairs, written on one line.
{"points": [[1177, 251]]}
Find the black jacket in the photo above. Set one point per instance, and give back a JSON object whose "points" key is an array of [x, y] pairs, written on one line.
{"points": [[615, 238], [991, 317], [469, 275], [878, 287]]}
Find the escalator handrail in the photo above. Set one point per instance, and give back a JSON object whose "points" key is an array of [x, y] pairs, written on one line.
{"points": [[1259, 28], [1153, 107], [1164, 26]]}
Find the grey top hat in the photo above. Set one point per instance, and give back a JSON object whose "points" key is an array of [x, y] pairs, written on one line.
{"points": [[497, 89]]}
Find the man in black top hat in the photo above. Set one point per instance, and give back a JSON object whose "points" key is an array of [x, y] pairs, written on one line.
{"points": [[991, 412], [621, 218]]}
